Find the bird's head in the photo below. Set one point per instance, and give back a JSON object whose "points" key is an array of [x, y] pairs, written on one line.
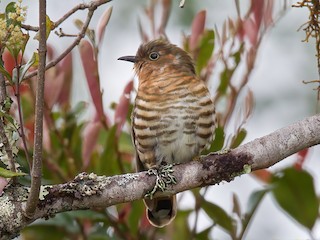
{"points": [[159, 57]]}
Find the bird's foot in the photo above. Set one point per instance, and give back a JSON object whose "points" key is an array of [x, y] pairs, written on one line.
{"points": [[223, 151], [164, 177], [196, 158]]}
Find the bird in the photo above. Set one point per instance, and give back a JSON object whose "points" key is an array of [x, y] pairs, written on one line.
{"points": [[173, 118]]}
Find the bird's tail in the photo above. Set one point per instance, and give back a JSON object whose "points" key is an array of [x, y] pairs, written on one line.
{"points": [[161, 210]]}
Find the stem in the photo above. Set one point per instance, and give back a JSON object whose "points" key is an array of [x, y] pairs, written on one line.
{"points": [[92, 6], [21, 132], [33, 197]]}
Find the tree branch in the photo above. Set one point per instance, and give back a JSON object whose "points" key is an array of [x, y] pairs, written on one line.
{"points": [[3, 136], [92, 6], [36, 171], [90, 191]]}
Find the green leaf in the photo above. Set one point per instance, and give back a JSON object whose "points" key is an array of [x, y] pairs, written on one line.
{"points": [[204, 235], [137, 210], [237, 140], [236, 208], [25, 68], [10, 8], [49, 26], [125, 143], [206, 47], [8, 117], [219, 216], [38, 232], [5, 73], [254, 200], [108, 160], [180, 226], [224, 81], [25, 41], [237, 55], [89, 32], [294, 191], [9, 174], [218, 141]]}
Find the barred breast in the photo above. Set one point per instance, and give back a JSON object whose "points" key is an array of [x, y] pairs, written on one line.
{"points": [[173, 121]]}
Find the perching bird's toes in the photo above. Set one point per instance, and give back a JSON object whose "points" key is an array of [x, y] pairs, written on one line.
{"points": [[164, 177]]}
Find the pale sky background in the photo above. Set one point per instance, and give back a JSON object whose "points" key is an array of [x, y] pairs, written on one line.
{"points": [[280, 96]]}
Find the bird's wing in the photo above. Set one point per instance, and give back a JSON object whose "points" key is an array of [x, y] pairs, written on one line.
{"points": [[138, 165]]}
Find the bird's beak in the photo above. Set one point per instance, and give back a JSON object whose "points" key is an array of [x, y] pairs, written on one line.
{"points": [[128, 58]]}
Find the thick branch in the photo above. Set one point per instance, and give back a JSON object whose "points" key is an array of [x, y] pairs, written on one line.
{"points": [[90, 191], [36, 171], [3, 136]]}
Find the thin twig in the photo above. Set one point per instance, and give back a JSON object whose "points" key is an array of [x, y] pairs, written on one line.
{"points": [[29, 27], [92, 6], [21, 132], [81, 6], [61, 33], [33, 197]]}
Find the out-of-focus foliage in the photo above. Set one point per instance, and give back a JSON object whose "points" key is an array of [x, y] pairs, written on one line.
{"points": [[312, 30], [100, 144]]}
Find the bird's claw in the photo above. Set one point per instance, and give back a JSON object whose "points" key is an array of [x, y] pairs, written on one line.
{"points": [[164, 177], [223, 151]]}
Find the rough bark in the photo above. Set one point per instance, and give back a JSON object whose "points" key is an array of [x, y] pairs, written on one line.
{"points": [[90, 191]]}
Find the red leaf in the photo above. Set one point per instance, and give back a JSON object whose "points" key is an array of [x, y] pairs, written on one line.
{"points": [[46, 137], [50, 52], [267, 16], [197, 29], [166, 7], [257, 7], [90, 137], [53, 86], [251, 31], [103, 22], [302, 155], [123, 107], [124, 213], [29, 127], [263, 175], [90, 66], [65, 68], [9, 62]]}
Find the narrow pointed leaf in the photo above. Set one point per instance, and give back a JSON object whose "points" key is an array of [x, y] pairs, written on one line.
{"points": [[4, 72], [90, 66], [102, 24], [237, 140], [123, 107], [197, 29], [23, 70], [65, 91], [108, 163], [90, 138], [49, 25], [218, 215], [206, 47], [9, 174], [254, 201]]}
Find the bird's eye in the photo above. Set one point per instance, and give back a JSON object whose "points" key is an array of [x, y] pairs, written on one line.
{"points": [[154, 56]]}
